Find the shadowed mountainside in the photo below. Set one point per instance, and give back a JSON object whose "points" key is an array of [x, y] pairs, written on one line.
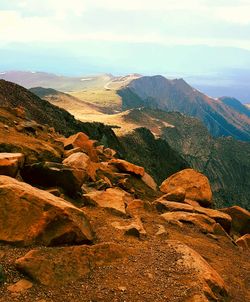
{"points": [[157, 92]]}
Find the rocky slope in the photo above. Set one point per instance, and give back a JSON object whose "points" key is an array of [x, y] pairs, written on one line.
{"points": [[109, 227], [224, 160], [157, 92]]}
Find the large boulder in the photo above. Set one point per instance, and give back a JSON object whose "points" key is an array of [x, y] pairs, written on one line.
{"points": [[195, 184], [79, 163], [68, 264], [29, 216], [240, 219], [125, 166], [50, 174], [113, 199], [206, 280], [10, 163]]}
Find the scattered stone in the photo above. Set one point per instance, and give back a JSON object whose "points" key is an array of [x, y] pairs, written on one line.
{"points": [[31, 216], [211, 284], [161, 230], [244, 241], [135, 228], [122, 288], [125, 166], [240, 219], [79, 163], [68, 264], [195, 184], [20, 286], [82, 141], [113, 198], [10, 163]]}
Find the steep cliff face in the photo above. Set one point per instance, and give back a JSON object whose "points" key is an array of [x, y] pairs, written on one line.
{"points": [[156, 155], [225, 161], [157, 92]]}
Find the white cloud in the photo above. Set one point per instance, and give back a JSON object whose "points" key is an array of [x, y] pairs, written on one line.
{"points": [[237, 14]]}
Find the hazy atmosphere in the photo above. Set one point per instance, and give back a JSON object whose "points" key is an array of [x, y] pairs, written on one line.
{"points": [[206, 42]]}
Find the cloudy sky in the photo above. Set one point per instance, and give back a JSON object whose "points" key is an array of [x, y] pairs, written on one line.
{"points": [[189, 22]]}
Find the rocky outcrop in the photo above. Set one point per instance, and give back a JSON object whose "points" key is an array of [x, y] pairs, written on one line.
{"points": [[29, 216], [10, 163], [195, 184], [64, 265], [240, 219]]}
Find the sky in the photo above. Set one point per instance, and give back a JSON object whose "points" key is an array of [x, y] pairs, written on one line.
{"points": [[206, 41], [171, 22]]}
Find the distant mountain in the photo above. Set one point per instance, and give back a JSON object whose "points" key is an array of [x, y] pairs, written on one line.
{"points": [[236, 105], [29, 79], [157, 92]]}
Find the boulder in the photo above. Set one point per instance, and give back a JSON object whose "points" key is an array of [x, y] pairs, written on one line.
{"points": [[10, 163], [204, 223], [163, 206], [67, 153], [195, 184], [29, 216], [240, 219], [222, 218], [113, 199], [206, 279], [82, 141], [77, 140], [244, 241], [50, 174], [79, 163], [125, 166], [68, 264], [178, 195]]}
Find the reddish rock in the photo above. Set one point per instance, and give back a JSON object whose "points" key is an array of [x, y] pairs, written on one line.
{"points": [[195, 184], [30, 216], [125, 166], [20, 286], [244, 241], [170, 206], [67, 153], [68, 264], [82, 141], [79, 163], [178, 195], [240, 219], [113, 199], [10, 163]]}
